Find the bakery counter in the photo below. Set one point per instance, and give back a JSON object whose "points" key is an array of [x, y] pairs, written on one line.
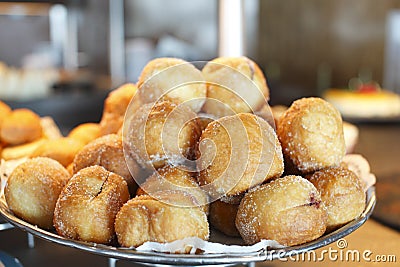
{"points": [[378, 237]]}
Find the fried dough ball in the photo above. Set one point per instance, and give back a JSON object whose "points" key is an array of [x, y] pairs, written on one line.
{"points": [[342, 193], [62, 149], [88, 204], [144, 218], [5, 110], [21, 126], [360, 166], [288, 210], [85, 132], [235, 85], [311, 134], [171, 178], [163, 79], [237, 153], [222, 217], [107, 151], [33, 188], [161, 133], [115, 107]]}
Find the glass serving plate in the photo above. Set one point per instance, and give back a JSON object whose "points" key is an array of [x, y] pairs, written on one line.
{"points": [[149, 257]]}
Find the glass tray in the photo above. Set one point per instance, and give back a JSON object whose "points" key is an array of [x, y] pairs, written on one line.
{"points": [[191, 259]]}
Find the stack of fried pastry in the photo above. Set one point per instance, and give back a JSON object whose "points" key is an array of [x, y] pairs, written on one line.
{"points": [[186, 148], [22, 132]]}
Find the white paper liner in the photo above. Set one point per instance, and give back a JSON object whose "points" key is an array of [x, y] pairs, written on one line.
{"points": [[6, 168], [195, 244]]}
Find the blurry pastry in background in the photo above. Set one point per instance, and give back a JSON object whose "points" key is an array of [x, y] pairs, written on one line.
{"points": [[342, 193], [161, 133], [311, 134], [21, 126], [5, 110], [62, 149], [172, 79], [365, 100], [107, 151], [33, 188], [350, 132], [49, 131], [360, 166], [88, 204], [145, 218], [50, 128], [222, 217], [234, 85], [271, 113], [85, 132], [21, 151], [288, 210], [115, 107], [26, 83]]}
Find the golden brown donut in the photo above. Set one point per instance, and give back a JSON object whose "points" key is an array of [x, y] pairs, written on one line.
{"points": [[144, 218], [107, 151], [235, 85], [85, 132], [171, 178], [342, 193], [163, 79], [222, 217], [161, 133], [311, 134], [115, 107], [33, 188], [88, 204], [288, 210], [247, 153], [5, 111], [21, 126], [62, 149]]}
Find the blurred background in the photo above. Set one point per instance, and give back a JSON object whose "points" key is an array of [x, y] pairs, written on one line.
{"points": [[304, 47]]}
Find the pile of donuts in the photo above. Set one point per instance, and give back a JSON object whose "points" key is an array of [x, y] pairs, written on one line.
{"points": [[185, 150]]}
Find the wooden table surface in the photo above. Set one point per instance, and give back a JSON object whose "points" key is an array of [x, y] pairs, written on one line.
{"points": [[378, 143]]}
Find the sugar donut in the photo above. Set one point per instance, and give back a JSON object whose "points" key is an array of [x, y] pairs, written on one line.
{"points": [[33, 188], [288, 210], [88, 204], [311, 134]]}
